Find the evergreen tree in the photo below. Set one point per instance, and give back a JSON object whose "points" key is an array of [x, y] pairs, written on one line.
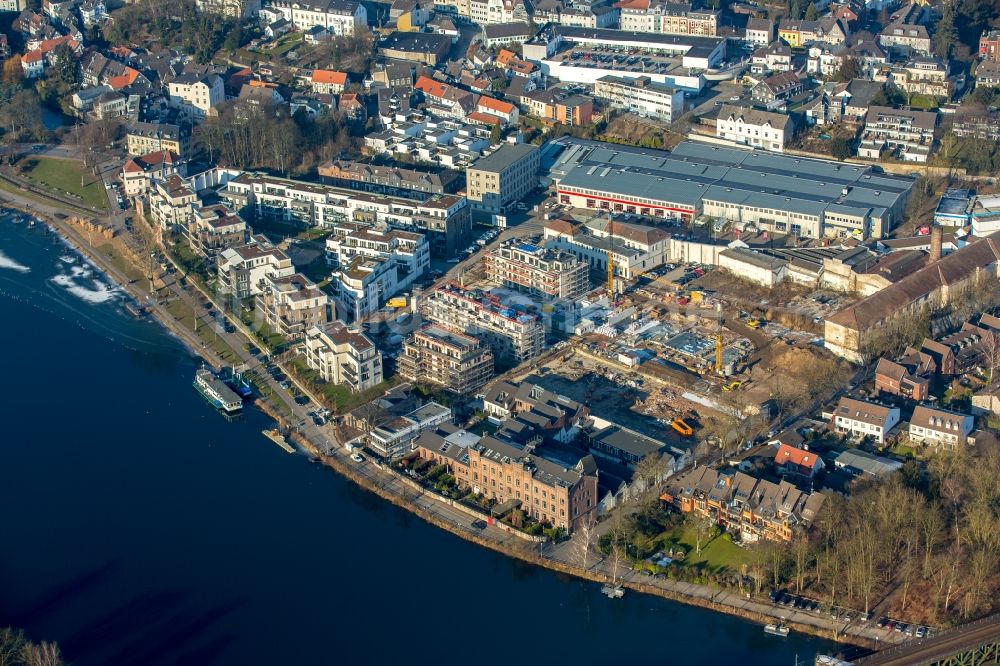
{"points": [[811, 12], [947, 33]]}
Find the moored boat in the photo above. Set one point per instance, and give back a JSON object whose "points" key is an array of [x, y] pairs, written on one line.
{"points": [[779, 629], [215, 391]]}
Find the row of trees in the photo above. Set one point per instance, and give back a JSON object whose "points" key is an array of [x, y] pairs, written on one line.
{"points": [[924, 541], [252, 136]]}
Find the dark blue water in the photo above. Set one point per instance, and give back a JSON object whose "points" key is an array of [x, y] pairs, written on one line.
{"points": [[141, 528]]}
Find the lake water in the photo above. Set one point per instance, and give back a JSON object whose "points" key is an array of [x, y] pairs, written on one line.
{"points": [[142, 528]]}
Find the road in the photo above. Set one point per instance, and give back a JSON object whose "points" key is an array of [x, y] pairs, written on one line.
{"points": [[943, 645]]}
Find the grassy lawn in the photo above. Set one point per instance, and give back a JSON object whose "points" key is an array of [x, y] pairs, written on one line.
{"points": [[181, 311], [285, 44], [67, 176], [337, 397], [716, 555]]}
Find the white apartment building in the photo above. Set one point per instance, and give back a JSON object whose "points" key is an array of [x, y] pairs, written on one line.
{"points": [[344, 18], [293, 304], [244, 271], [373, 266], [541, 271], [634, 248], [514, 334], [444, 218], [859, 419], [196, 95], [641, 96], [343, 356], [488, 12], [909, 135], [750, 127], [940, 427], [668, 18], [237, 9], [171, 203]]}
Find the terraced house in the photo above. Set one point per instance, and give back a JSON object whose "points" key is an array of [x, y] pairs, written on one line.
{"points": [[745, 506]]}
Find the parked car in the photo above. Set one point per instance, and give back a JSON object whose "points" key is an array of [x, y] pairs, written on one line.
{"points": [[357, 457]]}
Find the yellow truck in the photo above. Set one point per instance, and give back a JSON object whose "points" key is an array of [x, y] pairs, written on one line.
{"points": [[396, 302]]}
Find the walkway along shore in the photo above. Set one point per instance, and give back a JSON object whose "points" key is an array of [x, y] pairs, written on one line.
{"points": [[432, 508]]}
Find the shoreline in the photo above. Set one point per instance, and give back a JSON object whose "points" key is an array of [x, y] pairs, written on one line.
{"points": [[525, 553]]}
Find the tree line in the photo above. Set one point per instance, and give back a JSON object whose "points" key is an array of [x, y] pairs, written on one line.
{"points": [[17, 650], [263, 136]]}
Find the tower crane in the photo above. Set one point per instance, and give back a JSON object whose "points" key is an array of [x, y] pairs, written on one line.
{"points": [[718, 338]]}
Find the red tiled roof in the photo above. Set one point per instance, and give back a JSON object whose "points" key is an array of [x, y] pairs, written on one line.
{"points": [[790, 455], [329, 76]]}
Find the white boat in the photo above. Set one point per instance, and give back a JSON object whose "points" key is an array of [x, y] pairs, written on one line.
{"points": [[612, 591], [776, 629]]}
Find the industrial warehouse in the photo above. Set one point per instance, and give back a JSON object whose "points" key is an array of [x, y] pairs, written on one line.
{"points": [[754, 190]]}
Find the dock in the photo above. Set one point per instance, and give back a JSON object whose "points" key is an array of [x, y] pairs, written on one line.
{"points": [[278, 439]]}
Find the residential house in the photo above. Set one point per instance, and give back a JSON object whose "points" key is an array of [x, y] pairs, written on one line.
{"points": [[554, 416], [906, 39], [139, 173], [327, 82], [214, 229], [668, 18], [145, 138], [859, 419], [910, 377], [196, 95], [923, 76], [940, 427], [556, 105], [759, 31], [989, 46], [746, 507], [390, 425], [794, 461], [750, 127], [775, 57], [776, 88], [171, 203]]}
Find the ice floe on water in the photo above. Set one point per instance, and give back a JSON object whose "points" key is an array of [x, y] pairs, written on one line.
{"points": [[8, 263], [96, 292], [67, 259]]}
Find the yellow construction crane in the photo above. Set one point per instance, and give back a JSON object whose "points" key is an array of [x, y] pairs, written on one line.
{"points": [[718, 338]]}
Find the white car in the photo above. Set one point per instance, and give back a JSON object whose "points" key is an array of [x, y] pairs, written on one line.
{"points": [[357, 457]]}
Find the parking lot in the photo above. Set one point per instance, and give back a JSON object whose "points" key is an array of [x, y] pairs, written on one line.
{"points": [[622, 59]]}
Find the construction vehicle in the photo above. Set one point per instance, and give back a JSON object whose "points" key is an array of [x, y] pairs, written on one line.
{"points": [[732, 386], [754, 322], [680, 426]]}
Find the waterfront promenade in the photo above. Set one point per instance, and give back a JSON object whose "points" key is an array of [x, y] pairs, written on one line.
{"points": [[564, 557]]}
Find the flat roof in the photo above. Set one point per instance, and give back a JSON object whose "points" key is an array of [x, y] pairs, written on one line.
{"points": [[694, 172], [503, 157]]}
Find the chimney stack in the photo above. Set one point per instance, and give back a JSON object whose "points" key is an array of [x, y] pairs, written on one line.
{"points": [[936, 239]]}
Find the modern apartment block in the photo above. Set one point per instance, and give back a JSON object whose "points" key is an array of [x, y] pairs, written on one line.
{"points": [[171, 203], [547, 491], [214, 229], [641, 96], [443, 217], [243, 270], [907, 134], [745, 506], [668, 18], [437, 355], [541, 271], [503, 177], [343, 356], [292, 304], [373, 265], [515, 335]]}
